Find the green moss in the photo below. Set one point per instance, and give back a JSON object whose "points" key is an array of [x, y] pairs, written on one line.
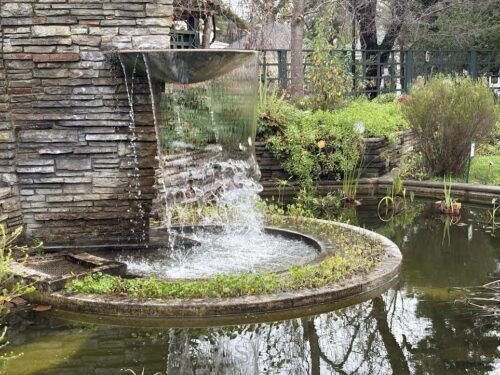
{"points": [[356, 255]]}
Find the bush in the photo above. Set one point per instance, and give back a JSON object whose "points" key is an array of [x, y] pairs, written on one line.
{"points": [[323, 144], [328, 78], [447, 115]]}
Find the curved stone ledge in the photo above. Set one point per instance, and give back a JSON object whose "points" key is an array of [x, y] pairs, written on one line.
{"points": [[355, 288], [469, 193]]}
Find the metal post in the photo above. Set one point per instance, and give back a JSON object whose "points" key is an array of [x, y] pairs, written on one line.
{"points": [[282, 68], [473, 64]]}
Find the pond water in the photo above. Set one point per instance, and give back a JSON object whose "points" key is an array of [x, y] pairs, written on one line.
{"points": [[414, 328]]}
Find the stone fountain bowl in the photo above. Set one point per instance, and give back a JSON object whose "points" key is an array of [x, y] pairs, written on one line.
{"points": [[184, 65], [207, 311]]}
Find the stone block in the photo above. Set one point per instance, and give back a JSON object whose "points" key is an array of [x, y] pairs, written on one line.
{"points": [[48, 169], [16, 10], [57, 57], [159, 10], [151, 42], [49, 31], [74, 164], [106, 137], [87, 40], [48, 136]]}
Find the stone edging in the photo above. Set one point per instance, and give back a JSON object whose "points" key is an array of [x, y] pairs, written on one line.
{"points": [[379, 279], [471, 193]]}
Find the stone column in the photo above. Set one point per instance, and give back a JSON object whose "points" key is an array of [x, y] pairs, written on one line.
{"points": [[64, 117]]}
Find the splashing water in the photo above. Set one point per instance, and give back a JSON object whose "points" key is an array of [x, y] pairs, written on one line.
{"points": [[208, 175]]}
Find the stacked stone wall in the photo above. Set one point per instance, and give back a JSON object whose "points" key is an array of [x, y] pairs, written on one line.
{"points": [[65, 134], [379, 158]]}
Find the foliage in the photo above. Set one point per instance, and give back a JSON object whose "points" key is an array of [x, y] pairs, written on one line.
{"points": [[448, 198], [308, 204], [274, 111], [412, 166], [394, 201], [493, 213], [328, 78], [447, 115], [350, 182], [324, 144], [357, 254], [9, 285]]}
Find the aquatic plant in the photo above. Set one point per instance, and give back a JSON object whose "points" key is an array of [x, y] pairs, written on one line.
{"points": [[448, 199], [350, 184], [493, 213], [448, 206], [394, 201]]}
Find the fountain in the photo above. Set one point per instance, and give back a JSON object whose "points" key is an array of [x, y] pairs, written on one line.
{"points": [[204, 115], [210, 220]]}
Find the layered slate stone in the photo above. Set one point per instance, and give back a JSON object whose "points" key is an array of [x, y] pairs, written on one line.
{"points": [[67, 166]]}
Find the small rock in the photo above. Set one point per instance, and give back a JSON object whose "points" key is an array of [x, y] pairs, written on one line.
{"points": [[41, 308], [18, 301]]}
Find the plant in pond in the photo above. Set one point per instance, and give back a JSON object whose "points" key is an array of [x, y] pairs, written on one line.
{"points": [[446, 115], [395, 225], [281, 185], [350, 183], [394, 201], [449, 221], [448, 206], [493, 213]]}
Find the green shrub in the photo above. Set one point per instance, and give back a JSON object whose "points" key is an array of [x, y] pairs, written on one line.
{"points": [[328, 78], [323, 144], [447, 115]]}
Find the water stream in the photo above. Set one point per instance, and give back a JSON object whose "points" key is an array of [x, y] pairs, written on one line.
{"points": [[208, 173]]}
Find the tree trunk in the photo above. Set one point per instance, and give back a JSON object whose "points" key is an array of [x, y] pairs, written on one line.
{"points": [[207, 32], [297, 44], [376, 54]]}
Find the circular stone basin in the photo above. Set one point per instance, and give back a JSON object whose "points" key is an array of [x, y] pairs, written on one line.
{"points": [[205, 251], [334, 237]]}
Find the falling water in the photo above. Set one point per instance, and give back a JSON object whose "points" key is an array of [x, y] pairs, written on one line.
{"points": [[209, 174], [134, 181]]}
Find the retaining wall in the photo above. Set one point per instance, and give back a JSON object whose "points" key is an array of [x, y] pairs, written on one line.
{"points": [[379, 158], [65, 155]]}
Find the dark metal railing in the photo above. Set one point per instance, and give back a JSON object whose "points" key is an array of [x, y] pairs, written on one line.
{"points": [[391, 71]]}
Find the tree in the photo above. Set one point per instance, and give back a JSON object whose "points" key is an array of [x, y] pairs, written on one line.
{"points": [[297, 46]]}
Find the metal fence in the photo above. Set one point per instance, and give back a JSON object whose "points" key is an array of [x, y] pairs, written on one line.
{"points": [[391, 71]]}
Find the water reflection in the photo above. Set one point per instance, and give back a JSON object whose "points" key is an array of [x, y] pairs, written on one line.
{"points": [[415, 328]]}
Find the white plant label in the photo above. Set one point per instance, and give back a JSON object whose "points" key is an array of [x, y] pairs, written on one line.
{"points": [[472, 150]]}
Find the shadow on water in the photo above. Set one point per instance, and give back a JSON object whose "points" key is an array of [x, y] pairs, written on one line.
{"points": [[414, 328]]}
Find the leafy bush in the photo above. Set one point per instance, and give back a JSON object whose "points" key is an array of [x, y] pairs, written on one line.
{"points": [[321, 144], [328, 78], [447, 115], [274, 111]]}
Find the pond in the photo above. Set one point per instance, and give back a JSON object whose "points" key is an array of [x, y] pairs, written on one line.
{"points": [[417, 327]]}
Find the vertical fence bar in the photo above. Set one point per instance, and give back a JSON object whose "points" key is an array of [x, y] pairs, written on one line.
{"points": [[472, 57], [264, 67], [409, 70], [283, 68]]}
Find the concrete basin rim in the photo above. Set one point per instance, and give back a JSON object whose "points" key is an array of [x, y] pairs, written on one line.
{"points": [[381, 274]]}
